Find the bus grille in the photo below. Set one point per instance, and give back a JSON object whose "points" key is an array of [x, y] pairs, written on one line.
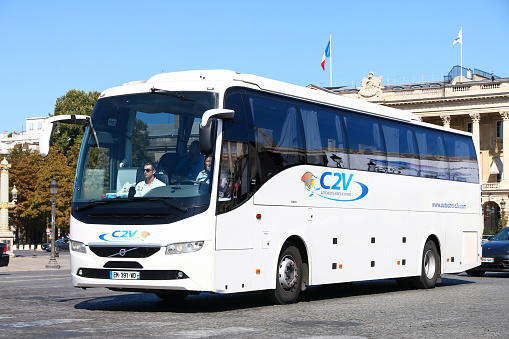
{"points": [[124, 251]]}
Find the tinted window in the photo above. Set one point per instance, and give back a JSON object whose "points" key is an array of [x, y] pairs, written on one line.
{"points": [[278, 134], [433, 155], [462, 158], [234, 171], [325, 138], [367, 151], [402, 153]]}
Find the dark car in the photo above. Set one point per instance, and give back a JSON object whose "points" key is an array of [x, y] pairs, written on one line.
{"points": [[4, 259], [495, 255], [60, 245]]}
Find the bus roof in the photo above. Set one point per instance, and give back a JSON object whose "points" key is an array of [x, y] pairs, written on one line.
{"points": [[278, 87], [221, 80]]}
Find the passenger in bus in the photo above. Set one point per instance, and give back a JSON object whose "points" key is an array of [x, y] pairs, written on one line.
{"points": [[204, 176], [191, 164], [150, 182]]}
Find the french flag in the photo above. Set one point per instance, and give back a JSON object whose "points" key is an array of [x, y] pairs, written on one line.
{"points": [[326, 54]]}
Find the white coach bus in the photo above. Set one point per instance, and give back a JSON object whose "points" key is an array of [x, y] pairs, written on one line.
{"points": [[225, 182]]}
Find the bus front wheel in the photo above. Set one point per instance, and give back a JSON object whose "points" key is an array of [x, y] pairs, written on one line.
{"points": [[288, 276], [430, 271]]}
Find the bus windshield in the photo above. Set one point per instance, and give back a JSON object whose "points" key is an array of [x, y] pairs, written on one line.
{"points": [[142, 158]]}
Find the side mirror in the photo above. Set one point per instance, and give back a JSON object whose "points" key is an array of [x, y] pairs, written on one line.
{"points": [[49, 127], [208, 136], [208, 128]]}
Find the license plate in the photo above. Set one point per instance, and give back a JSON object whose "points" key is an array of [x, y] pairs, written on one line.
{"points": [[124, 275], [487, 259]]}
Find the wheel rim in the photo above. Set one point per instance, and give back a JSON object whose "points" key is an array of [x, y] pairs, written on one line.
{"points": [[288, 273], [429, 264]]}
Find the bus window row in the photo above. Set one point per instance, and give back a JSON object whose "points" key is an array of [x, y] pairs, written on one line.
{"points": [[290, 133]]}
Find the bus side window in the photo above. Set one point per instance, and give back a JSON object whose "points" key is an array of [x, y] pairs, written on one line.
{"points": [[279, 139], [234, 163], [434, 162], [367, 148], [402, 154], [325, 138], [462, 158]]}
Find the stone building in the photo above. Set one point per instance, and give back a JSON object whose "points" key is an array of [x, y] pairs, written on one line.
{"points": [[473, 101], [28, 139]]}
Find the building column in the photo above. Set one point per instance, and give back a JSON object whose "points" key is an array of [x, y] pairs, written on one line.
{"points": [[446, 118], [476, 118], [505, 144]]}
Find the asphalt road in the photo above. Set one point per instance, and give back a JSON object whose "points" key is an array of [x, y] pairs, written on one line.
{"points": [[42, 303]]}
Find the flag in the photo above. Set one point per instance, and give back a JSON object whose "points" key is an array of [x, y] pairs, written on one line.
{"points": [[458, 38], [326, 54]]}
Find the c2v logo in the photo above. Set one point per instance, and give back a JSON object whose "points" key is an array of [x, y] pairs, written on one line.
{"points": [[124, 236], [335, 186]]}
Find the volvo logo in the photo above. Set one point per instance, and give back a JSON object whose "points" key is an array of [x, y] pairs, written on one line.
{"points": [[122, 252]]}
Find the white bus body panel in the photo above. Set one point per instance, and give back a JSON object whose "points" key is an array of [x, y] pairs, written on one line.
{"points": [[197, 265]]}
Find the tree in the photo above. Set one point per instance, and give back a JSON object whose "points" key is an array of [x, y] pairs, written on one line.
{"points": [[24, 171], [55, 165], [74, 102]]}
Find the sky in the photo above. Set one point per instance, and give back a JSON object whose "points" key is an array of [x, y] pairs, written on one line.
{"points": [[50, 47]]}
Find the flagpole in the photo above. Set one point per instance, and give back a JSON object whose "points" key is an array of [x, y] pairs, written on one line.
{"points": [[330, 59], [461, 59]]}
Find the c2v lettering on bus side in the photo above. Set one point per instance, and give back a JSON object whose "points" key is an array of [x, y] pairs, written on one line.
{"points": [[337, 186]]}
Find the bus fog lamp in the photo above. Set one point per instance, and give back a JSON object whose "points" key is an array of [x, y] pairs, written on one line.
{"points": [[77, 246], [184, 247]]}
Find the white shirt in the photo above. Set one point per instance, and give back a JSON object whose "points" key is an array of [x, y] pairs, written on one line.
{"points": [[142, 187]]}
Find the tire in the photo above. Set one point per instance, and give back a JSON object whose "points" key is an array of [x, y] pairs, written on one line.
{"points": [[288, 276], [430, 271], [475, 273], [172, 295]]}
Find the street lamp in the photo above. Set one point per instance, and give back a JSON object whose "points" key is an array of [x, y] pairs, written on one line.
{"points": [[502, 207], [53, 188]]}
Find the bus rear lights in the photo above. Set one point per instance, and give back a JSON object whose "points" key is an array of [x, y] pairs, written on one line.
{"points": [[257, 271], [258, 216], [77, 246], [447, 259], [184, 247]]}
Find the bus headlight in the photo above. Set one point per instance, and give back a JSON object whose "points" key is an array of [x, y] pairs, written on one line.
{"points": [[184, 247], [77, 246]]}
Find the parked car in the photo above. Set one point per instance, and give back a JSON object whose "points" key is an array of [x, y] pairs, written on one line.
{"points": [[4, 259], [60, 245], [495, 255]]}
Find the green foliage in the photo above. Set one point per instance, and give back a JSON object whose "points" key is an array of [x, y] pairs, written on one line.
{"points": [[140, 143], [74, 102], [31, 173]]}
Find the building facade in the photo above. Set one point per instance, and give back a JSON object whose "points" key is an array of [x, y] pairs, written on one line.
{"points": [[473, 101], [28, 139]]}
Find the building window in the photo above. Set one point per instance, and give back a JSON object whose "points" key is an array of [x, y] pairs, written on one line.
{"points": [[470, 127], [39, 126], [31, 127], [499, 129]]}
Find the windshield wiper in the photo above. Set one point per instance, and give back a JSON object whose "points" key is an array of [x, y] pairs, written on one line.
{"points": [[109, 201], [167, 203], [171, 94]]}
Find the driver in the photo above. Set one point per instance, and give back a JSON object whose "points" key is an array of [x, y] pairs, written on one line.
{"points": [[150, 182]]}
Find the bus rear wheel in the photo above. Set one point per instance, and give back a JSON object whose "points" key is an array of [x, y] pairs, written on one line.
{"points": [[430, 271], [288, 276]]}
